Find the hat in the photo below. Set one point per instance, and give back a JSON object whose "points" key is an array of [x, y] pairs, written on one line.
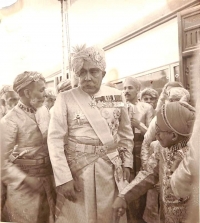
{"points": [[64, 85], [176, 117], [50, 92], [92, 54], [5, 89], [133, 82], [24, 79], [179, 93], [149, 91]]}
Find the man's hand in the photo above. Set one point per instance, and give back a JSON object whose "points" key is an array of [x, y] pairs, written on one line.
{"points": [[69, 190], [135, 123], [126, 173], [119, 208]]}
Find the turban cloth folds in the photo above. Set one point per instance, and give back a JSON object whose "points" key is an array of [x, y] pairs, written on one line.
{"points": [[24, 79], [5, 89], [179, 93], [64, 85], [133, 82], [92, 54], [149, 91], [176, 117]]}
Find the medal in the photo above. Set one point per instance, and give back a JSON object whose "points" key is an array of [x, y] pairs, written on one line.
{"points": [[105, 113], [78, 117]]}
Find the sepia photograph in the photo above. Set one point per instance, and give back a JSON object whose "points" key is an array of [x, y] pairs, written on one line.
{"points": [[100, 111]]}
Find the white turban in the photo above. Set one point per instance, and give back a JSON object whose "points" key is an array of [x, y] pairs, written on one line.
{"points": [[93, 54], [179, 93]]}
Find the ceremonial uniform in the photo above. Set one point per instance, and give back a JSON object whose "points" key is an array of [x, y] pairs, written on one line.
{"points": [[26, 154], [79, 123]]}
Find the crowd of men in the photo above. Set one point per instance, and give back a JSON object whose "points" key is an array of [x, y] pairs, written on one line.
{"points": [[94, 154]]}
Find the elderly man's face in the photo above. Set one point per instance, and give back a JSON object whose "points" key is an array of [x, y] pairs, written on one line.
{"points": [[37, 94], [11, 99], [90, 77], [150, 100]]}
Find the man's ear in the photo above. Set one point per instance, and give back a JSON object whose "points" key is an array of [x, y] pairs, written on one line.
{"points": [[27, 93], [174, 136], [103, 73]]}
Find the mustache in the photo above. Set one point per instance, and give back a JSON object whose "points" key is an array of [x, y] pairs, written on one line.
{"points": [[126, 94]]}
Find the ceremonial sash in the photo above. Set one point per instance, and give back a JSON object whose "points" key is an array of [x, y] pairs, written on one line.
{"points": [[94, 117], [102, 130]]}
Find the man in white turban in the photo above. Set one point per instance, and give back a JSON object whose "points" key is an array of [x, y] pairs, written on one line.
{"points": [[140, 114], [90, 143]]}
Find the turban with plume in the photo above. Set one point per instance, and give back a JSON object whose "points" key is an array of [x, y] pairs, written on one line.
{"points": [[92, 54]]}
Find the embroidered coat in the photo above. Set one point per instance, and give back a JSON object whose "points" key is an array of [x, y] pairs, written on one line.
{"points": [[95, 174], [159, 164], [21, 133]]}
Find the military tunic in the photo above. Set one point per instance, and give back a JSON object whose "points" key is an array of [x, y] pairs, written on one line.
{"points": [[69, 128]]}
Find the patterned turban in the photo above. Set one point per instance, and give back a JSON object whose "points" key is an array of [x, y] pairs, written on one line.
{"points": [[5, 89], [178, 93], [24, 79], [64, 85], [92, 54], [133, 82], [176, 117], [149, 91]]}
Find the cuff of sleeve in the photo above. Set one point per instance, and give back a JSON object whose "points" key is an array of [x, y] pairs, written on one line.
{"points": [[62, 180]]}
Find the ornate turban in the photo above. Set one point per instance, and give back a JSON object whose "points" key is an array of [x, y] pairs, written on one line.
{"points": [[5, 89], [24, 79], [179, 93], [133, 82], [64, 85], [176, 117], [149, 91], [93, 54]]}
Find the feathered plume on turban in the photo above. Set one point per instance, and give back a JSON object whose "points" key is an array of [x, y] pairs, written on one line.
{"points": [[93, 54]]}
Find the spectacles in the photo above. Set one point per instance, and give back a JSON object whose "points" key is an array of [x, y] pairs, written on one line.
{"points": [[158, 130]]}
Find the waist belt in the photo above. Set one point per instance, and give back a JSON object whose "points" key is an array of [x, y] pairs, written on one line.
{"points": [[90, 148], [22, 161]]}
